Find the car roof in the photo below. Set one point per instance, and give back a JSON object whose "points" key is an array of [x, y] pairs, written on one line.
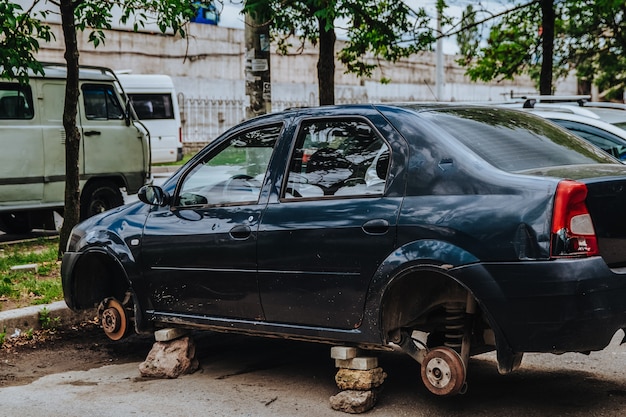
{"points": [[605, 111]]}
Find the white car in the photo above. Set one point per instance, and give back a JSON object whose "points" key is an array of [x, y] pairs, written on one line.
{"points": [[607, 136]]}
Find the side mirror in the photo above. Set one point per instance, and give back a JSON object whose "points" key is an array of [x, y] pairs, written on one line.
{"points": [[153, 195]]}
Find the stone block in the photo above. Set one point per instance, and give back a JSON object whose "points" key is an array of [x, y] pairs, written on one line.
{"points": [[353, 402], [361, 363], [350, 379], [170, 359], [343, 352], [25, 268], [165, 335]]}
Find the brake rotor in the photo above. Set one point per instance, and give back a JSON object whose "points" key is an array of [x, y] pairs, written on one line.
{"points": [[114, 320], [443, 371]]}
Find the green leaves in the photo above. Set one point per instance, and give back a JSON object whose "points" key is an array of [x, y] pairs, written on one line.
{"points": [[20, 33], [23, 31], [590, 37], [375, 29]]}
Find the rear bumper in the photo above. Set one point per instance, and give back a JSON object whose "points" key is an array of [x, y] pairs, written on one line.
{"points": [[573, 305]]}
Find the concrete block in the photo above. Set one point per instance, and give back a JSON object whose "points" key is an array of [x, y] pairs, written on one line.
{"points": [[361, 363], [343, 352], [165, 335], [25, 268]]}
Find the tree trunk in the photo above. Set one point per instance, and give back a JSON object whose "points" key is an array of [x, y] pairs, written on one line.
{"points": [[258, 72], [71, 212], [326, 63], [547, 43]]}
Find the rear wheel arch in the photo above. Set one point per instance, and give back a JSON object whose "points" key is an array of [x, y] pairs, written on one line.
{"points": [[416, 298], [414, 293]]}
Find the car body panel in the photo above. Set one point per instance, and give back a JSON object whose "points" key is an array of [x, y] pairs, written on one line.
{"points": [[452, 218]]}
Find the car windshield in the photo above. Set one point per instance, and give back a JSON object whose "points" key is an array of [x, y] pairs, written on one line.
{"points": [[514, 141]]}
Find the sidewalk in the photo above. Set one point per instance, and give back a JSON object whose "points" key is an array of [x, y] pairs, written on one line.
{"points": [[26, 318]]}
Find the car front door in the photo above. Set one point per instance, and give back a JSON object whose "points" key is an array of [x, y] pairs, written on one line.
{"points": [[323, 238], [200, 254]]}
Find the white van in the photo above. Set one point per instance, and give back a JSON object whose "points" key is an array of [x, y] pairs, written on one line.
{"points": [[155, 102], [114, 148]]}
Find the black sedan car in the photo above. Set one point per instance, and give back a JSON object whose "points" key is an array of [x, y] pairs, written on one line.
{"points": [[441, 231]]}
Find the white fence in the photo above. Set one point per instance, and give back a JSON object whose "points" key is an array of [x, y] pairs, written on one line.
{"points": [[204, 119]]}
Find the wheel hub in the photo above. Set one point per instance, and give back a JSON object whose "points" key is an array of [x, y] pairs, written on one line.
{"points": [[111, 320], [443, 371], [114, 320]]}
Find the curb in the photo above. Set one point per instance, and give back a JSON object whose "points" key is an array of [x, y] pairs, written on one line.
{"points": [[28, 317]]}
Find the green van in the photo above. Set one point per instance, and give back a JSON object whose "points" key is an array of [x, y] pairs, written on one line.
{"points": [[114, 149]]}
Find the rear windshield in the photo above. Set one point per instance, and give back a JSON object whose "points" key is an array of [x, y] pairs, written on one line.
{"points": [[515, 141]]}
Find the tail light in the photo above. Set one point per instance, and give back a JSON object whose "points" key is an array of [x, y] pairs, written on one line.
{"points": [[180, 134], [573, 233]]}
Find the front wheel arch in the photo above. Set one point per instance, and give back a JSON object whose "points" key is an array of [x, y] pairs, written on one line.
{"points": [[95, 277]]}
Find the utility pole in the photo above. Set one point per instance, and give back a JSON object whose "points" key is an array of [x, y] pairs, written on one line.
{"points": [[257, 71], [439, 74]]}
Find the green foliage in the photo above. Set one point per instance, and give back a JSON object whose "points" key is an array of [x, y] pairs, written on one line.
{"points": [[97, 15], [375, 29], [46, 321], [30, 287], [590, 36], [21, 31], [597, 44], [513, 46]]}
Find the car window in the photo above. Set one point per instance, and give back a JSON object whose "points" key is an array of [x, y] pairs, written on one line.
{"points": [[232, 174], [607, 141], [514, 142], [153, 106], [101, 102], [16, 102], [337, 158]]}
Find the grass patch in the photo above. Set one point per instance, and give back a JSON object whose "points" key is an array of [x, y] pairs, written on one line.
{"points": [[20, 288], [181, 162]]}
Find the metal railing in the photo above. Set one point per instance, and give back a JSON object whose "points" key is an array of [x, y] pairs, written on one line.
{"points": [[203, 119]]}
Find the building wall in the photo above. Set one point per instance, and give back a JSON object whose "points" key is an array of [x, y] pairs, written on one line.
{"points": [[208, 71], [210, 62]]}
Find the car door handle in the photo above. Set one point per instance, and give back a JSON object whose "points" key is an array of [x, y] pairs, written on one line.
{"points": [[93, 133], [240, 232], [376, 227]]}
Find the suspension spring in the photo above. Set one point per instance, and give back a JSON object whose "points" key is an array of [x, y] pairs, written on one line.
{"points": [[455, 326]]}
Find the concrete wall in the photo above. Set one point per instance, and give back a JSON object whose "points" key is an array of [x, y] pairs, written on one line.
{"points": [[209, 63]]}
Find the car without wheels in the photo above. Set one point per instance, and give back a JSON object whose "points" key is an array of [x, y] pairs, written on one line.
{"points": [[440, 231]]}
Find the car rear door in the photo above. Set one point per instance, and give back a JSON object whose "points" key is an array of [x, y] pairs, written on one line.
{"points": [[322, 239]]}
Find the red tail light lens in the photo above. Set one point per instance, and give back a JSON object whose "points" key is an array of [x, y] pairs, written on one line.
{"points": [[572, 229]]}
